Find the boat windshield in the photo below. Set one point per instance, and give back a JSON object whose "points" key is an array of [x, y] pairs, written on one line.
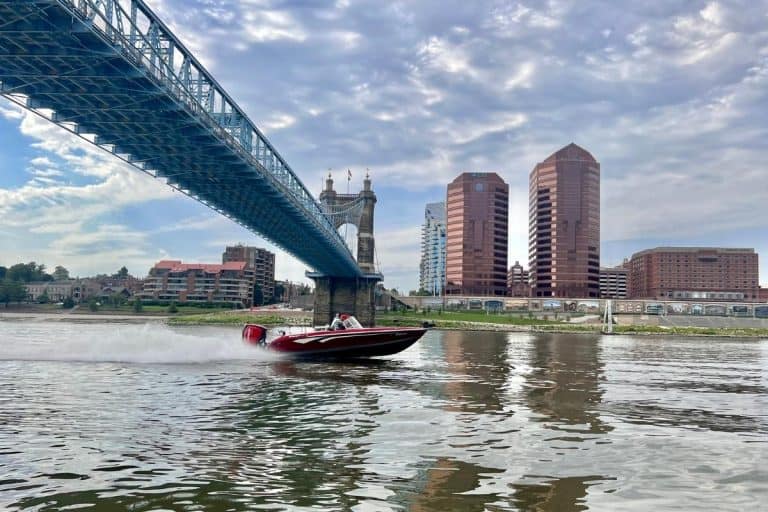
{"points": [[351, 323]]}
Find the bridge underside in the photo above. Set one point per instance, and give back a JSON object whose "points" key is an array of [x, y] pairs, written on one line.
{"points": [[72, 73]]}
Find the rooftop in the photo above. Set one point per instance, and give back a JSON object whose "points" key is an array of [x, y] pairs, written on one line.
{"points": [[210, 268], [571, 152], [716, 250]]}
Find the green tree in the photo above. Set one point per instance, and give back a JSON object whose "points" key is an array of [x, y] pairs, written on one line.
{"points": [[69, 303], [172, 307], [43, 298], [122, 273], [117, 299], [4, 295], [12, 291], [93, 305], [27, 273], [60, 273], [258, 295], [138, 307], [3, 271]]}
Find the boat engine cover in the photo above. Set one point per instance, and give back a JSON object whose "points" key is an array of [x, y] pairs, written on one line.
{"points": [[255, 334]]}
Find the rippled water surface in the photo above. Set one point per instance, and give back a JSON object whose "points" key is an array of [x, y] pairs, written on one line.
{"points": [[126, 417]]}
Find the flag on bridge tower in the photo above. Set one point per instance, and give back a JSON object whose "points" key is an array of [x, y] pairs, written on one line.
{"points": [[349, 175]]}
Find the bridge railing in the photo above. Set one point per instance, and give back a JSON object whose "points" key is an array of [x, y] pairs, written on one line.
{"points": [[147, 42]]}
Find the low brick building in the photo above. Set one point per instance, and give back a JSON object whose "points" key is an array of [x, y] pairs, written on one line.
{"points": [[694, 273], [613, 283]]}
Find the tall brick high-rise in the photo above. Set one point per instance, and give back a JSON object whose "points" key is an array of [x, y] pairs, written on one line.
{"points": [[261, 261], [477, 210], [564, 228]]}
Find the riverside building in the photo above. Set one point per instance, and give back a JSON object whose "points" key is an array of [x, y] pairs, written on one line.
{"points": [[477, 218], [517, 281], [260, 261], [694, 273], [172, 280], [613, 283], [564, 227], [432, 266]]}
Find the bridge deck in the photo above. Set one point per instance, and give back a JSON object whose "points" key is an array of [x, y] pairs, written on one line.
{"points": [[59, 59]]}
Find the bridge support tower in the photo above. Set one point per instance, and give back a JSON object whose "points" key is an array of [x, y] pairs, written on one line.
{"points": [[352, 295], [345, 295]]}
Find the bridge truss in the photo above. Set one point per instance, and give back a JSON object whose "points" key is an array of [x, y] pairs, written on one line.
{"points": [[113, 73]]}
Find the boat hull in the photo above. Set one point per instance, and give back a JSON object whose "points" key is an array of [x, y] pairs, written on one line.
{"points": [[346, 344]]}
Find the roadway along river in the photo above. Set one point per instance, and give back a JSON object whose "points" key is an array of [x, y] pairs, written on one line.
{"points": [[133, 417]]}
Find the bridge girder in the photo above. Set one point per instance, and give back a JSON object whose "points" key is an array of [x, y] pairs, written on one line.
{"points": [[111, 72]]}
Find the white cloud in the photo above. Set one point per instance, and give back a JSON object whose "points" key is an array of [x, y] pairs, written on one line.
{"points": [[507, 18], [264, 25], [42, 161], [348, 40], [11, 111], [443, 56], [521, 77], [713, 13], [461, 132], [399, 251], [277, 121]]}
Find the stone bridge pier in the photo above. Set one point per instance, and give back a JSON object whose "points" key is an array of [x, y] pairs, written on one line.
{"points": [[343, 294]]}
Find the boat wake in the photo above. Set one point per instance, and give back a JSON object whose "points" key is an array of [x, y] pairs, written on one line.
{"points": [[146, 343]]}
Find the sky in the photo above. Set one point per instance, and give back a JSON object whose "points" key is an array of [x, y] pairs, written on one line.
{"points": [[670, 96]]}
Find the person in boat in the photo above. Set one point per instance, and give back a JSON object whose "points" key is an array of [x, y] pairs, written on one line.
{"points": [[337, 323]]}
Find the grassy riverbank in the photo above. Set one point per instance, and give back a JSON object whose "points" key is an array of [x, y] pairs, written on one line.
{"points": [[242, 318], [481, 321], [464, 320]]}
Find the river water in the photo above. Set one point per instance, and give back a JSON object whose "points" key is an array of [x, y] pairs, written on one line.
{"points": [[147, 417]]}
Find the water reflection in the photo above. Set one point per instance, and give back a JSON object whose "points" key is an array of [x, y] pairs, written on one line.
{"points": [[564, 386], [554, 495], [448, 485], [462, 421], [563, 389], [477, 363]]}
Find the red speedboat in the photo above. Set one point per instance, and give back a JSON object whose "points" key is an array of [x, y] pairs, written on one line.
{"points": [[344, 338]]}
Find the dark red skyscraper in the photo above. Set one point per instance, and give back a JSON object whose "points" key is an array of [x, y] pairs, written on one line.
{"points": [[476, 234], [564, 228]]}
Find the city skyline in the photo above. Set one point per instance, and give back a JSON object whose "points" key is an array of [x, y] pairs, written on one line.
{"points": [[669, 99]]}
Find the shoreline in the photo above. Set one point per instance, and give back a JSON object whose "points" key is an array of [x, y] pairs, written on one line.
{"points": [[81, 317], [275, 319]]}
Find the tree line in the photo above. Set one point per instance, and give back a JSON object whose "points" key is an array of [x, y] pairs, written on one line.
{"points": [[14, 278]]}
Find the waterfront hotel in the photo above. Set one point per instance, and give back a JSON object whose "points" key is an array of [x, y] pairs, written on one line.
{"points": [[694, 273]]}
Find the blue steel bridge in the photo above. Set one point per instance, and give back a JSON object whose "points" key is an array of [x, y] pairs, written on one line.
{"points": [[113, 73]]}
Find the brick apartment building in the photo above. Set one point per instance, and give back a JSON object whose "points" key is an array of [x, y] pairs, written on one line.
{"points": [[260, 261], [172, 280]]}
